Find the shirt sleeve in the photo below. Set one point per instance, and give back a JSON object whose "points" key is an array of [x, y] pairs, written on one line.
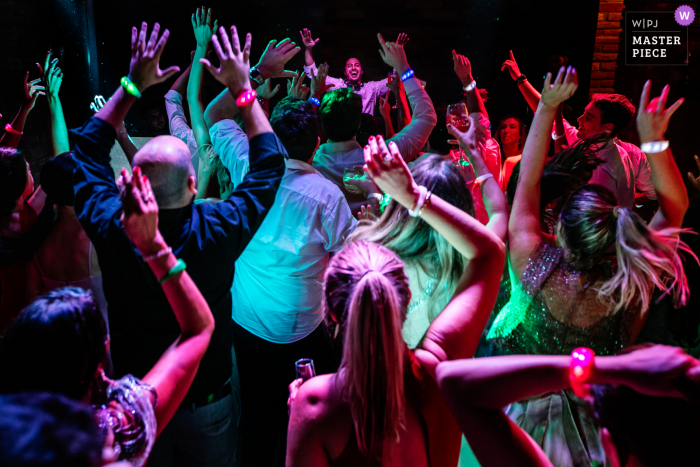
{"points": [[338, 222], [177, 119], [97, 202], [231, 144], [642, 181], [235, 220], [413, 137], [336, 82]]}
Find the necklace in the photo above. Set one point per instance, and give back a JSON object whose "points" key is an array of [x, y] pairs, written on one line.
{"points": [[422, 297]]}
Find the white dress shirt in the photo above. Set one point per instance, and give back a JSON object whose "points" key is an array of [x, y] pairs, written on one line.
{"points": [[231, 144], [369, 91], [179, 127], [278, 285], [332, 158]]}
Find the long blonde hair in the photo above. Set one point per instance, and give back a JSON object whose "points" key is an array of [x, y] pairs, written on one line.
{"points": [[366, 295], [414, 241], [590, 223]]}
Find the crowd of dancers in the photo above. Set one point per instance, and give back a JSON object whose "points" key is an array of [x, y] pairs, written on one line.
{"points": [[155, 313]]}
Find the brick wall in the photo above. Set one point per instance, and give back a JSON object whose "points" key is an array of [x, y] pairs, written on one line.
{"points": [[607, 42]]}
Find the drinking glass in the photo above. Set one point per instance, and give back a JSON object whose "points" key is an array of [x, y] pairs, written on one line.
{"points": [[458, 117], [353, 173], [305, 369]]}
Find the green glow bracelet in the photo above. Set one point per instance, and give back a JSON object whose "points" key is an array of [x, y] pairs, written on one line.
{"points": [[385, 202], [178, 268], [130, 87]]}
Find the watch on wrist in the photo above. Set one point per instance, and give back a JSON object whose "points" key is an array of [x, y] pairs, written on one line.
{"points": [[520, 79], [256, 76]]}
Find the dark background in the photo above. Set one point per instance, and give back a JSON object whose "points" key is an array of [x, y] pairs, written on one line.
{"points": [[96, 50]]}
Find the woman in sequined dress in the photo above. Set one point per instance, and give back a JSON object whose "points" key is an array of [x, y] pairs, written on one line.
{"points": [[593, 289], [433, 266]]}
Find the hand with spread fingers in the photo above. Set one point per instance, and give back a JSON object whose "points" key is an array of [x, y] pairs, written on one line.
{"points": [[235, 62], [563, 87], [366, 213], [52, 75], [402, 39], [307, 40], [297, 88], [275, 56], [32, 90], [318, 82], [266, 92], [203, 28], [140, 209], [144, 69], [390, 172], [653, 117]]}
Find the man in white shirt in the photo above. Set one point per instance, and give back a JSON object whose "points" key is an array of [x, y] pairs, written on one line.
{"points": [[340, 113], [278, 286]]}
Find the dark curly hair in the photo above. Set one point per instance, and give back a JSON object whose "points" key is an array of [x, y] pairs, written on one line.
{"points": [[296, 125]]}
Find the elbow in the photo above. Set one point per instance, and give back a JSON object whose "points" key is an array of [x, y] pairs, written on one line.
{"points": [[448, 379]]}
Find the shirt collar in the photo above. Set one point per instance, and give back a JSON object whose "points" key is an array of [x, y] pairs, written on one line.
{"points": [[337, 148], [293, 164]]}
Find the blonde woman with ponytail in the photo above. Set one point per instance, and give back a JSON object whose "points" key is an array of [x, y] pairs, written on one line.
{"points": [[594, 288], [383, 406]]}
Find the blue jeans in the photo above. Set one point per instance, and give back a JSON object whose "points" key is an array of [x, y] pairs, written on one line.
{"points": [[204, 437]]}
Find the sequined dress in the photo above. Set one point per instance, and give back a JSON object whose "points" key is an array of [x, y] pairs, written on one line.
{"points": [[552, 310]]}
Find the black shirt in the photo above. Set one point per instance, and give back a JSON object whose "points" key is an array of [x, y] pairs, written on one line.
{"points": [[208, 237]]}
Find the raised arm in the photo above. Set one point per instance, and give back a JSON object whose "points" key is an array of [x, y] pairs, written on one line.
{"points": [[202, 25], [524, 226], [463, 70], [528, 90], [175, 370], [476, 391], [494, 200], [413, 137], [652, 122], [309, 44], [123, 138], [455, 332], [53, 77], [13, 132]]}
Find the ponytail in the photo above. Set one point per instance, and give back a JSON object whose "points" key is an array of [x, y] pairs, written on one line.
{"points": [[366, 293], [646, 259]]}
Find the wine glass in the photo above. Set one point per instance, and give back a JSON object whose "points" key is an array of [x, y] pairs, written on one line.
{"points": [[305, 369], [458, 117]]}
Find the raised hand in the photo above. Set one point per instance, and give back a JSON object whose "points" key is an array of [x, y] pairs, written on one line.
{"points": [[235, 63], [144, 69], [512, 66], [52, 75], [695, 181], [266, 92], [385, 107], [653, 117], [402, 39], [393, 55], [297, 88], [463, 68], [318, 82], [275, 56], [389, 171], [366, 213], [563, 88], [202, 26], [31, 91], [140, 209], [468, 139], [307, 40]]}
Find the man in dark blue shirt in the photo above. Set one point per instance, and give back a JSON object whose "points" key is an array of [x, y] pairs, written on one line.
{"points": [[208, 237]]}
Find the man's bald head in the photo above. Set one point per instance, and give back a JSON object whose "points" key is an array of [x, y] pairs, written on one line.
{"points": [[167, 163]]}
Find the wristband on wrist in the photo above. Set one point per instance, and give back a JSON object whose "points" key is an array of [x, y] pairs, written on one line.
{"points": [[175, 270], [407, 75], [384, 202], [314, 101], [470, 86], [426, 204], [246, 97], [654, 147], [160, 254], [580, 369], [422, 194], [9, 129], [483, 178], [520, 79], [378, 196], [130, 87], [556, 137]]}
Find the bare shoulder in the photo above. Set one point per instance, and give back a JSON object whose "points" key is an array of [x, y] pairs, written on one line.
{"points": [[316, 396]]}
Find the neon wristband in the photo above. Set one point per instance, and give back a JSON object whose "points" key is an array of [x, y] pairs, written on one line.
{"points": [[407, 75], [556, 137], [654, 147], [9, 129], [423, 194], [246, 98], [130, 87], [175, 270], [580, 369], [470, 86], [384, 202], [314, 101], [160, 254]]}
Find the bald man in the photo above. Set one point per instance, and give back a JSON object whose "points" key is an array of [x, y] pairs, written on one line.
{"points": [[208, 237]]}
